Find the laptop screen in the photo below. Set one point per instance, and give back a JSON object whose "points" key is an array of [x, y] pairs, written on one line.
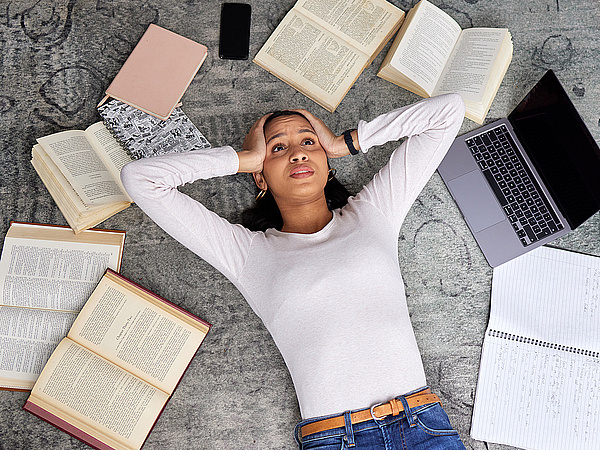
{"points": [[561, 148]]}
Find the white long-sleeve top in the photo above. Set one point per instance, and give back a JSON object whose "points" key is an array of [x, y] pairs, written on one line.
{"points": [[333, 300]]}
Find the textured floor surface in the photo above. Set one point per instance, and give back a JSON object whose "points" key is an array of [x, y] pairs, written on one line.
{"points": [[57, 57]]}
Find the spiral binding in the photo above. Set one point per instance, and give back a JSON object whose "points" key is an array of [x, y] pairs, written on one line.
{"points": [[177, 134], [544, 344]]}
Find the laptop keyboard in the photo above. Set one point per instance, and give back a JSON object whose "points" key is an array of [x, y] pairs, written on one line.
{"points": [[520, 196]]}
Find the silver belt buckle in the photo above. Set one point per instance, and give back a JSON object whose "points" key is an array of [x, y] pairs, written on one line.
{"points": [[373, 412]]}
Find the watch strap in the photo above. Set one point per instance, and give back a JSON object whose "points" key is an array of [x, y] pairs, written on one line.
{"points": [[349, 142]]}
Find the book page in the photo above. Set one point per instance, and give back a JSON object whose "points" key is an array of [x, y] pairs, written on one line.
{"points": [[50, 274], [137, 335], [541, 353], [471, 63], [108, 149], [312, 60], [77, 160], [78, 216], [363, 23], [537, 397], [97, 396], [427, 44], [551, 295], [27, 339]]}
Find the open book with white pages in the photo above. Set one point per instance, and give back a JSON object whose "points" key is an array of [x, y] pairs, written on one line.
{"points": [[539, 376]]}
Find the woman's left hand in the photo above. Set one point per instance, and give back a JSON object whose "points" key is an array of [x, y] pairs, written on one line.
{"points": [[334, 146]]}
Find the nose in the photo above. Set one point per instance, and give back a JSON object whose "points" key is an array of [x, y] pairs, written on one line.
{"points": [[298, 154]]}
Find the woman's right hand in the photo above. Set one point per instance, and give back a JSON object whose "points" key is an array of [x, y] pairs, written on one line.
{"points": [[254, 148]]}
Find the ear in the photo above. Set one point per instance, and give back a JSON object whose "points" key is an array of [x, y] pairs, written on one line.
{"points": [[260, 181]]}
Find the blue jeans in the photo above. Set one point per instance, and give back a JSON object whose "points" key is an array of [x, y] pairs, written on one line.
{"points": [[426, 428]]}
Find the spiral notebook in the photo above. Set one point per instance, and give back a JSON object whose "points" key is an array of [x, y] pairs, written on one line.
{"points": [[144, 136], [539, 376]]}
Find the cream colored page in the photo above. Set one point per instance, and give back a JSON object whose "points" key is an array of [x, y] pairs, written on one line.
{"points": [[81, 166], [471, 63], [67, 188], [426, 46], [27, 339], [363, 23], [112, 154], [136, 335], [311, 59], [52, 275], [93, 391]]}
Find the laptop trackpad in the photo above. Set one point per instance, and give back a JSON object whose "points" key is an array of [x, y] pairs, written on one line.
{"points": [[476, 201]]}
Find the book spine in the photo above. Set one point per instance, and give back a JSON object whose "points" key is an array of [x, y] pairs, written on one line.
{"points": [[541, 343], [65, 426]]}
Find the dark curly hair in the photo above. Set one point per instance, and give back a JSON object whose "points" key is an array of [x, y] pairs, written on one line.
{"points": [[265, 213]]}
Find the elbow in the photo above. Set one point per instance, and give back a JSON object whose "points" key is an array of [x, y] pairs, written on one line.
{"points": [[456, 105], [128, 174], [453, 110], [133, 179]]}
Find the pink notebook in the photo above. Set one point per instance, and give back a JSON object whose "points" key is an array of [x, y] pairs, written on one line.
{"points": [[157, 72]]}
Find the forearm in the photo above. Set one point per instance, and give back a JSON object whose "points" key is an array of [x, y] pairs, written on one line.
{"points": [[430, 127], [153, 177], [152, 183], [427, 117]]}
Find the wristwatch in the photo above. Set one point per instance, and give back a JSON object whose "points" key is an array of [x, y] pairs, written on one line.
{"points": [[348, 141]]}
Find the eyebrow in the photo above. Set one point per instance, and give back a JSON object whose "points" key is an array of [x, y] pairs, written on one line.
{"points": [[303, 130]]}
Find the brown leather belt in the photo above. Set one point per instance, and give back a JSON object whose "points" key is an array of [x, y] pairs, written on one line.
{"points": [[393, 407]]}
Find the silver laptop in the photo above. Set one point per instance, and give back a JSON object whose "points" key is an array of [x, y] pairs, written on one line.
{"points": [[524, 181]]}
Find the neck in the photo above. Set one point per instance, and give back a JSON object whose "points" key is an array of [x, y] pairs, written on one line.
{"points": [[305, 218]]}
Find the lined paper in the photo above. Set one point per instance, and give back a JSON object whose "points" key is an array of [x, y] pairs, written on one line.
{"points": [[539, 378]]}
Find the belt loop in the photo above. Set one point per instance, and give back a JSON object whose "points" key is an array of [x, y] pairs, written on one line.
{"points": [[407, 412], [298, 435], [349, 432]]}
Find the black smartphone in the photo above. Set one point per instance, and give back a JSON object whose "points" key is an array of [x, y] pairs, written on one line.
{"points": [[234, 40]]}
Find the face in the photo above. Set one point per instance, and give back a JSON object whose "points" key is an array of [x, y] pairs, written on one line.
{"points": [[295, 168]]}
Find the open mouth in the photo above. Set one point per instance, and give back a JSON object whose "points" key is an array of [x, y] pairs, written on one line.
{"points": [[302, 172]]}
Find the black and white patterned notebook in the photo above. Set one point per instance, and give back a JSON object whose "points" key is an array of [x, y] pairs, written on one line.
{"points": [[143, 135]]}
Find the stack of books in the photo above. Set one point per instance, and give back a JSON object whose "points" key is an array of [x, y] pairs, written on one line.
{"points": [[81, 169]]}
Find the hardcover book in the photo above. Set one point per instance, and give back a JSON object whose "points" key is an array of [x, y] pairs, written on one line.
{"points": [[47, 274], [157, 72], [109, 380]]}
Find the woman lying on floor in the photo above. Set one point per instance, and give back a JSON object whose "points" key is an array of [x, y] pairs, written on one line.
{"points": [[319, 267]]}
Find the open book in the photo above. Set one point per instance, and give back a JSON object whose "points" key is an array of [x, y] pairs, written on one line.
{"points": [[108, 381], [539, 377], [81, 170], [321, 47], [431, 55], [47, 274]]}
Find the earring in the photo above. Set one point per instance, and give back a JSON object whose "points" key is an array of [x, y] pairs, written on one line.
{"points": [[332, 173], [261, 194]]}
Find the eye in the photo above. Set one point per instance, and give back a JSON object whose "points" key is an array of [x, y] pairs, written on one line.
{"points": [[277, 148], [308, 141]]}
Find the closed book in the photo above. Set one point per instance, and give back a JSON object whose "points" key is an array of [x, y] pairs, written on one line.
{"points": [[157, 72], [144, 136]]}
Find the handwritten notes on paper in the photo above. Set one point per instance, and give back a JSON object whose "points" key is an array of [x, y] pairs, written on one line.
{"points": [[539, 379]]}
